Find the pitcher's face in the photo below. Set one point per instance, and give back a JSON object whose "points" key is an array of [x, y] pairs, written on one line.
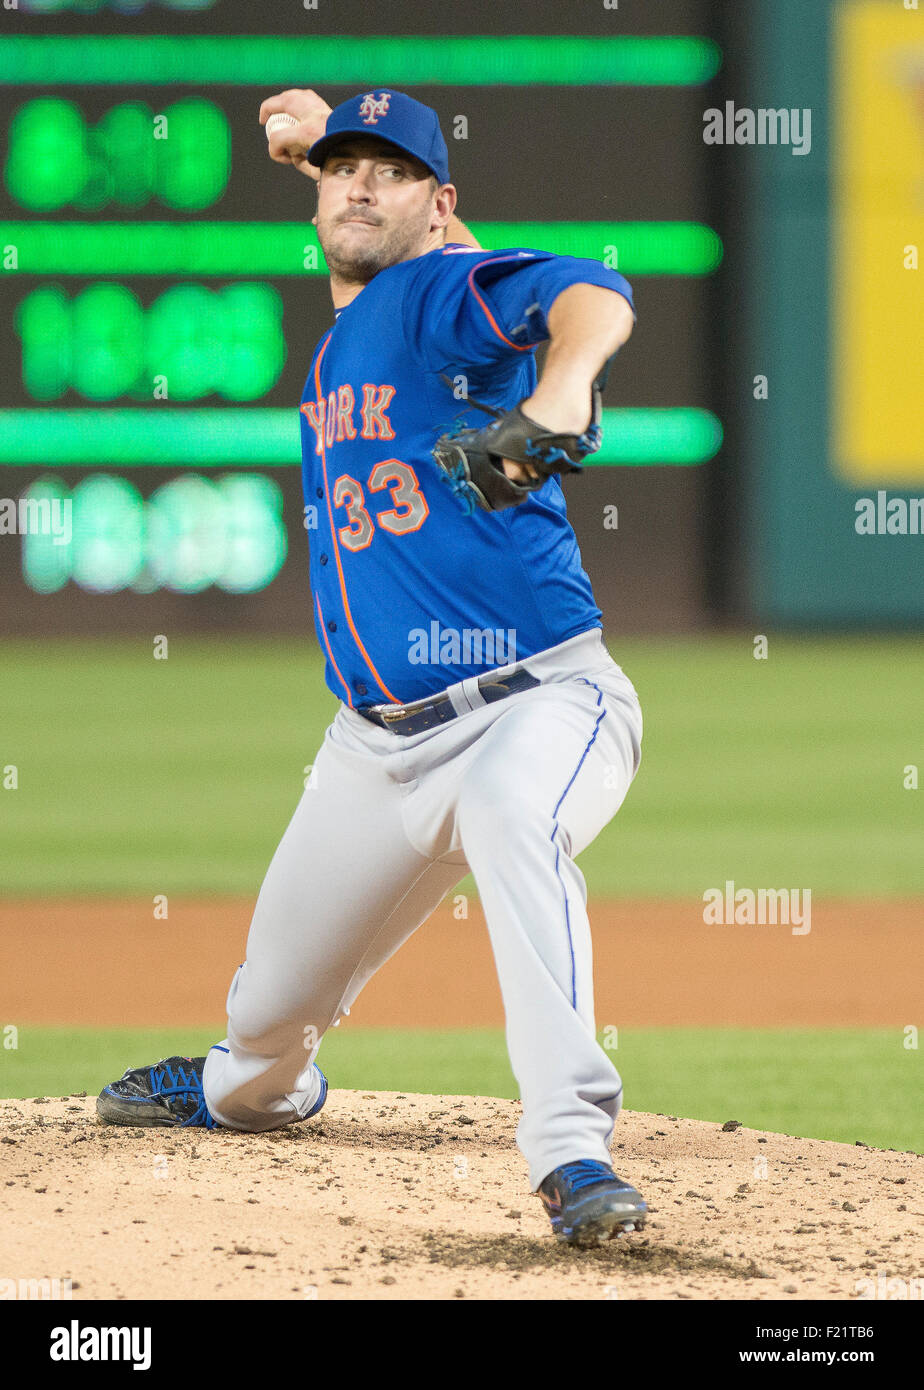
{"points": [[375, 206]]}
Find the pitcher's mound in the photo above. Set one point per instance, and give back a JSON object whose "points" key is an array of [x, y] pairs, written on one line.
{"points": [[409, 1196]]}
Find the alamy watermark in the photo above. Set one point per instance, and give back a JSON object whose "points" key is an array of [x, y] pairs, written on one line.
{"points": [[890, 1287], [37, 516], [77, 1343], [468, 646], [33, 1290], [759, 907], [766, 126], [883, 515]]}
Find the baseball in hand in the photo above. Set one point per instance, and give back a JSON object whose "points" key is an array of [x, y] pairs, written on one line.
{"points": [[282, 118]]}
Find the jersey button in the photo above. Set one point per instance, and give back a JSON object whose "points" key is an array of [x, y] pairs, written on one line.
{"points": [[361, 689], [320, 492], [323, 559], [332, 626]]}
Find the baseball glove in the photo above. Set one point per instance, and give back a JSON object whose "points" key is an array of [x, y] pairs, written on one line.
{"points": [[472, 459]]}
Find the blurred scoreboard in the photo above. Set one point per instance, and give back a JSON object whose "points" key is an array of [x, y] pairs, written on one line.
{"points": [[162, 287], [87, 172]]}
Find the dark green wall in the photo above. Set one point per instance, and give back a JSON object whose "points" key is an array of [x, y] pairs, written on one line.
{"points": [[800, 559]]}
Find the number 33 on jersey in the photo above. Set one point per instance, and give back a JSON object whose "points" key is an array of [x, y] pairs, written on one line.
{"points": [[331, 419]]}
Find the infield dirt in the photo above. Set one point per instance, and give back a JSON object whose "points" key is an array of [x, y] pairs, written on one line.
{"points": [[655, 964], [388, 1196]]}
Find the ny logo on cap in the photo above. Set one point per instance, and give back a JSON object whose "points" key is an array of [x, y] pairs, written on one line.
{"points": [[372, 107]]}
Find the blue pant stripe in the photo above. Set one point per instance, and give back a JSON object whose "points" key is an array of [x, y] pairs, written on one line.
{"points": [[590, 743]]}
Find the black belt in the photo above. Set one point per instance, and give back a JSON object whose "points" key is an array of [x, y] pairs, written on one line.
{"points": [[426, 714]]}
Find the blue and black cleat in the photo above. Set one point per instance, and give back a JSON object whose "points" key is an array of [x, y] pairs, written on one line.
{"points": [[167, 1093], [588, 1204]]}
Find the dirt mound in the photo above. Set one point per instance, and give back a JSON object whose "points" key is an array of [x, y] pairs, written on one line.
{"points": [[393, 1196]]}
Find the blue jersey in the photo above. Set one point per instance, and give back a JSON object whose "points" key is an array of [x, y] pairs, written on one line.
{"points": [[409, 593]]}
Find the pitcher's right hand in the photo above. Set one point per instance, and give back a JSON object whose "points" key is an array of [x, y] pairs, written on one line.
{"points": [[291, 144]]}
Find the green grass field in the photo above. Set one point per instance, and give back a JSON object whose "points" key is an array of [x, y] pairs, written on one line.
{"points": [[832, 1084], [173, 776]]}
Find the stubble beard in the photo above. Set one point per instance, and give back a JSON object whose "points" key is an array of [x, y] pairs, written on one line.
{"points": [[357, 265]]}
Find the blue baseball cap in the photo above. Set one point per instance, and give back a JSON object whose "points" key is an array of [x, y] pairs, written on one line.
{"points": [[390, 116]]}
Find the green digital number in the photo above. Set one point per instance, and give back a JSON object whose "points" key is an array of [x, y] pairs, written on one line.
{"points": [[180, 155], [192, 533], [191, 342]]}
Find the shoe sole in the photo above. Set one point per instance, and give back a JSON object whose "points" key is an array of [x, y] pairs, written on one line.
{"points": [[139, 1114], [597, 1230]]}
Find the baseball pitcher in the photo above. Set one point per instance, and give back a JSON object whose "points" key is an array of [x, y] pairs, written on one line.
{"points": [[483, 725]]}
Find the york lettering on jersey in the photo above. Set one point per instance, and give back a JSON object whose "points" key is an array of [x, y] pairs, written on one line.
{"points": [[335, 418]]}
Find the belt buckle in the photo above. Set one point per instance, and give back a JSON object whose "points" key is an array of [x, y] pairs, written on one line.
{"points": [[489, 681], [394, 712]]}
